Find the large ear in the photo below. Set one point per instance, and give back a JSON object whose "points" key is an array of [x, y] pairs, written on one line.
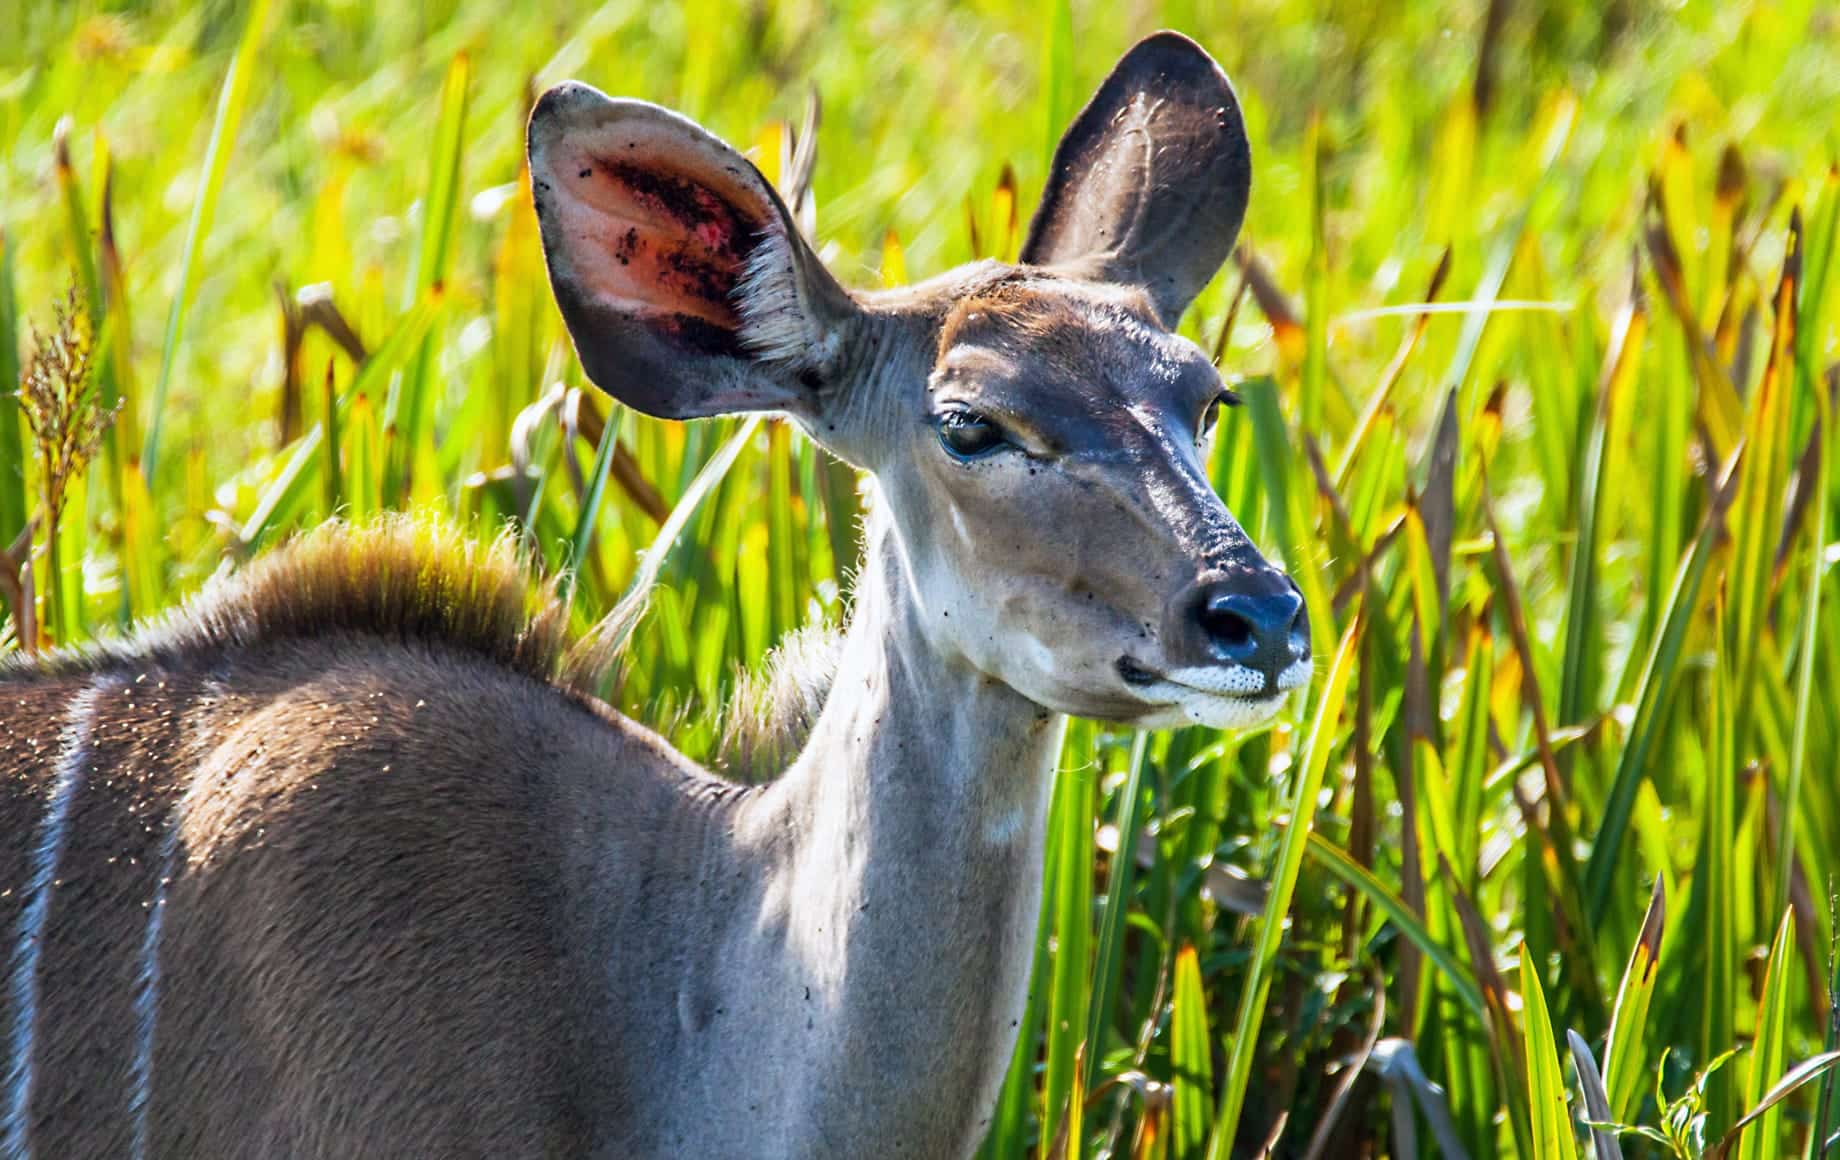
{"points": [[1150, 182], [685, 285]]}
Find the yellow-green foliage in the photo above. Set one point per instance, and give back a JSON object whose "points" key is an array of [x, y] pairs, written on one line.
{"points": [[1571, 525]]}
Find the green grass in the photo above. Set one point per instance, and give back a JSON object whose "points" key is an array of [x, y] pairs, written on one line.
{"points": [[1575, 552]]}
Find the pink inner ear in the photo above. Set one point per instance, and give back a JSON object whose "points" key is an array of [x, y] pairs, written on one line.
{"points": [[656, 235]]}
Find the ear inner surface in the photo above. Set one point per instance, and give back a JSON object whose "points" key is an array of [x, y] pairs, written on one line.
{"points": [[1150, 183], [654, 231], [684, 284], [682, 248]]}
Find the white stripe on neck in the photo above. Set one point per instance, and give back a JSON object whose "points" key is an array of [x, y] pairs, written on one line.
{"points": [[16, 1123]]}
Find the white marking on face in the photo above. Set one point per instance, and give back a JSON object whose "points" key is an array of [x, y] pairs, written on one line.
{"points": [[1221, 697], [1295, 677], [1231, 712], [1230, 680], [15, 1128]]}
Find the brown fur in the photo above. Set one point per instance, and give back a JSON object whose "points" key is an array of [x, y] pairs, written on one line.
{"points": [[1030, 310], [304, 704], [282, 772]]}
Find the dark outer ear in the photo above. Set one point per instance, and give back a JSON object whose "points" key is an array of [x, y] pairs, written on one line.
{"points": [[1149, 184], [685, 286]]}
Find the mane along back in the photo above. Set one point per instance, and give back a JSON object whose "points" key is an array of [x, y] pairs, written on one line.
{"points": [[398, 578], [419, 580]]}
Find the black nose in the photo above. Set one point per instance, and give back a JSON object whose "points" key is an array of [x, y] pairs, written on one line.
{"points": [[1261, 624]]}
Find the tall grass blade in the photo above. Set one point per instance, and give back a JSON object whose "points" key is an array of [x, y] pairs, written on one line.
{"points": [[361, 497], [1552, 1117], [1120, 876], [1623, 1058], [230, 107], [1360, 878], [332, 476], [1792, 1081], [1824, 1120], [1070, 844], [1764, 1140], [282, 498], [406, 412], [610, 632], [1757, 516], [1715, 884], [1604, 1145], [1807, 650], [1302, 810], [1659, 674], [1582, 649], [1191, 1057], [12, 429], [580, 542]]}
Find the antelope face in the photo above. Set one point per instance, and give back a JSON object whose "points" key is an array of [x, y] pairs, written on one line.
{"points": [[1062, 533], [1037, 430]]}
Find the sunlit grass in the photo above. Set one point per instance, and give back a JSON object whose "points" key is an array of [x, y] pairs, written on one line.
{"points": [[1577, 552]]}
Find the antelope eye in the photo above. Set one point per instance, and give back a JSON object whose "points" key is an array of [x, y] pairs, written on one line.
{"points": [[968, 435], [1210, 414]]}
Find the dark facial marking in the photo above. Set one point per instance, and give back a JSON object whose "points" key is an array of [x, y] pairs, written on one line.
{"points": [[1133, 673]]}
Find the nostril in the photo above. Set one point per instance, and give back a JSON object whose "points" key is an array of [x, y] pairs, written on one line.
{"points": [[1226, 626], [1230, 624], [1262, 626]]}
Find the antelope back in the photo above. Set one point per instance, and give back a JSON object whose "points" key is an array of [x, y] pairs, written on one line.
{"points": [[273, 885]]}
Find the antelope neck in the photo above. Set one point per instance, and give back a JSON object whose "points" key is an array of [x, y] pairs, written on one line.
{"points": [[898, 870], [914, 746]]}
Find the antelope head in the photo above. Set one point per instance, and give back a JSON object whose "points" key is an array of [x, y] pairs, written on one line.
{"points": [[1038, 431]]}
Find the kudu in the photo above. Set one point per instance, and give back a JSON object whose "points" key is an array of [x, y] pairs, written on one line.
{"points": [[336, 862]]}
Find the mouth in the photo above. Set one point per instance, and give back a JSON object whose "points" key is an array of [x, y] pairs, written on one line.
{"points": [[1222, 697]]}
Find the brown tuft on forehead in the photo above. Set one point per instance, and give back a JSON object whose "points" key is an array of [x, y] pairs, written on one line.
{"points": [[1027, 309]]}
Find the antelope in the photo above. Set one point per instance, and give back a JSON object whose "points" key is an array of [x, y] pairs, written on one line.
{"points": [[341, 860]]}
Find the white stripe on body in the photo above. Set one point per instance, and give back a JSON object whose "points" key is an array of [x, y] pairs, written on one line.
{"points": [[147, 995], [23, 989]]}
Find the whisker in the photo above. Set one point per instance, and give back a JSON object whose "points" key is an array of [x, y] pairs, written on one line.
{"points": [[1498, 306]]}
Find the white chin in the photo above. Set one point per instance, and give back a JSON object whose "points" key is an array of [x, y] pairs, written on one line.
{"points": [[1214, 710], [1220, 698]]}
